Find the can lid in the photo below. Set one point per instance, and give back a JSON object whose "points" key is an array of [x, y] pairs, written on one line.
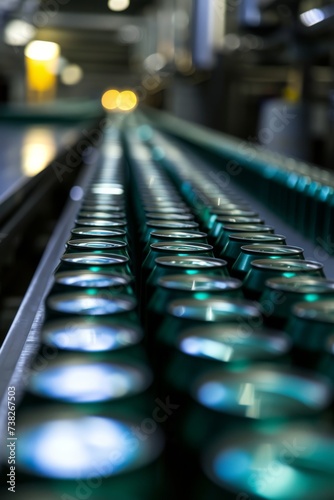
{"points": [[161, 224], [214, 310], [160, 216], [62, 380], [100, 223], [84, 231], [268, 238], [264, 392], [181, 247], [86, 304], [101, 207], [287, 265], [249, 228], [239, 219], [91, 279], [199, 283], [80, 446], [190, 262], [236, 212], [178, 234], [94, 259], [101, 215], [320, 310], [231, 343], [167, 210], [300, 457], [259, 248], [309, 286], [90, 335], [96, 244]]}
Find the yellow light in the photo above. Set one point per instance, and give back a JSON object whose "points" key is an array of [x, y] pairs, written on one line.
{"points": [[127, 100], [118, 5], [41, 69], [110, 99], [38, 150], [42, 51]]}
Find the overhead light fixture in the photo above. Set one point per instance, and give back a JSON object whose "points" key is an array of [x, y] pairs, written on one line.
{"points": [[18, 33], [42, 51], [118, 5], [312, 17]]}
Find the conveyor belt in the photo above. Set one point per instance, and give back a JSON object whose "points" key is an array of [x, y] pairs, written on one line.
{"points": [[196, 389]]}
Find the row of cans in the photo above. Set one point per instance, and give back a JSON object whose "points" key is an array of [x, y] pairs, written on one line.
{"points": [[86, 424], [233, 331]]}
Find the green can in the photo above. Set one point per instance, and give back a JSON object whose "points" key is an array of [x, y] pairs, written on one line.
{"points": [[221, 222], [291, 462], [159, 225], [181, 249], [181, 286], [232, 249], [256, 397], [264, 269], [231, 347], [78, 281], [90, 381], [190, 266], [188, 313], [256, 251], [311, 328], [168, 236], [284, 293], [91, 303], [223, 238], [93, 335], [93, 451], [108, 262]]}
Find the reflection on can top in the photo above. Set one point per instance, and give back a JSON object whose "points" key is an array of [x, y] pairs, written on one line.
{"points": [[90, 279], [99, 223], [91, 259], [214, 310], [307, 473], [199, 283], [257, 237], [86, 304], [161, 224], [90, 335], [232, 342], [175, 235], [97, 244], [264, 392], [71, 446], [286, 265], [320, 310], [258, 248], [302, 285], [181, 247], [76, 379], [99, 233], [190, 262]]}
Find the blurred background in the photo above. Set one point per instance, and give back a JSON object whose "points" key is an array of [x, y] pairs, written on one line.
{"points": [[238, 66]]}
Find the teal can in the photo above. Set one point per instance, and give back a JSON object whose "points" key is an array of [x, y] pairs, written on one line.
{"points": [[256, 251]]}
